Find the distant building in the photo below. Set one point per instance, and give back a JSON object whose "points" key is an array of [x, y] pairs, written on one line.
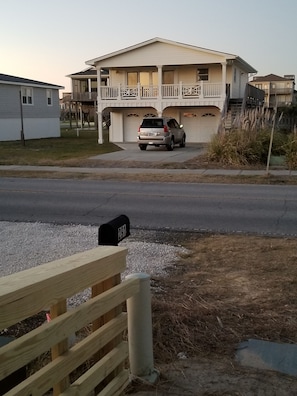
{"points": [[33, 103], [80, 104], [279, 91]]}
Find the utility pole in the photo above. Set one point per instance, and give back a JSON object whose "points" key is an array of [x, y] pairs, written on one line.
{"points": [[22, 121]]}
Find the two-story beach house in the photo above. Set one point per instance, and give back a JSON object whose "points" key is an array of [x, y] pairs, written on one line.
{"points": [[279, 91], [29, 106], [162, 77]]}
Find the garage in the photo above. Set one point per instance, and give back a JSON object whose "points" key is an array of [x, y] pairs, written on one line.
{"points": [[200, 124], [132, 120]]}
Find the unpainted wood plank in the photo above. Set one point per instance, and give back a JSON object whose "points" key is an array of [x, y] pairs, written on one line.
{"points": [[89, 380], [41, 381], [60, 348], [23, 350], [117, 385], [26, 293], [106, 285]]}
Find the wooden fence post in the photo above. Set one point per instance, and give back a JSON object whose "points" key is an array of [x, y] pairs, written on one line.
{"points": [[140, 336]]}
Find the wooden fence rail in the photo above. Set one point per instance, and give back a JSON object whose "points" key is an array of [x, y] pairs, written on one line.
{"points": [[101, 351]]}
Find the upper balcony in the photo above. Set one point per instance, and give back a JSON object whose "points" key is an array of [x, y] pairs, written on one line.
{"points": [[196, 94], [167, 91], [84, 96], [278, 91]]}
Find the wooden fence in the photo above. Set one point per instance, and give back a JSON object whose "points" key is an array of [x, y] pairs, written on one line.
{"points": [[99, 353]]}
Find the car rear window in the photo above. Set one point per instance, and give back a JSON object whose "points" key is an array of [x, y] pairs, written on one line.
{"points": [[152, 123]]}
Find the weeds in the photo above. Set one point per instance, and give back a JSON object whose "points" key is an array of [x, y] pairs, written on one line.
{"points": [[239, 147]]}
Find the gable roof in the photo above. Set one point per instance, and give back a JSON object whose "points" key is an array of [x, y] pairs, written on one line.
{"points": [[272, 77], [227, 56], [13, 80], [90, 71]]}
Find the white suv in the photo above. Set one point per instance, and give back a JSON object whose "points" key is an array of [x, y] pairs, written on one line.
{"points": [[160, 131]]}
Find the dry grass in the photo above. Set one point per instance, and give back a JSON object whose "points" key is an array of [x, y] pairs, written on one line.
{"points": [[227, 289]]}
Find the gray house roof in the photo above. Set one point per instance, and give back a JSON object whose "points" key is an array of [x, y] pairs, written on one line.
{"points": [[90, 71], [13, 80]]}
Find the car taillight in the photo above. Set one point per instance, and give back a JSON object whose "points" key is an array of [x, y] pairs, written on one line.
{"points": [[166, 128], [139, 129]]}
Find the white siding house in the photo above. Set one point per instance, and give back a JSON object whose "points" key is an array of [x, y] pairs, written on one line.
{"points": [[33, 102], [162, 77]]}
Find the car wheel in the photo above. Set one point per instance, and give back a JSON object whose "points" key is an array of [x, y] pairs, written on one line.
{"points": [[183, 142], [170, 146], [142, 146]]}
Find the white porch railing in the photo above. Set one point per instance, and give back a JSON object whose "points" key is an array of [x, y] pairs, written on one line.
{"points": [[199, 90]]}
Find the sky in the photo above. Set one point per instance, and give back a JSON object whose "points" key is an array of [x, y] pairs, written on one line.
{"points": [[48, 40]]}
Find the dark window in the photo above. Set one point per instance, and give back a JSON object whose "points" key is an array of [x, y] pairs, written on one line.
{"points": [[152, 123], [202, 75], [27, 95]]}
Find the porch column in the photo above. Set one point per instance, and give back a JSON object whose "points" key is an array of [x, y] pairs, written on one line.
{"points": [[99, 113], [159, 102], [99, 84], [90, 88], [159, 82], [100, 128], [224, 79]]}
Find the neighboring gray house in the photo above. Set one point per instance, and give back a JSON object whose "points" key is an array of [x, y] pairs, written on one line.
{"points": [[39, 103]]}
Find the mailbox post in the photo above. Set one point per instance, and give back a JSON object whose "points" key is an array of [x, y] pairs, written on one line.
{"points": [[114, 231]]}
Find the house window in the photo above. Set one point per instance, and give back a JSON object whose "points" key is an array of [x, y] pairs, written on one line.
{"points": [[202, 75], [49, 97], [132, 78], [143, 78], [168, 77], [27, 96]]}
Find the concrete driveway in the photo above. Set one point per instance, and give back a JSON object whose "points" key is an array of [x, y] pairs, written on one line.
{"points": [[131, 152]]}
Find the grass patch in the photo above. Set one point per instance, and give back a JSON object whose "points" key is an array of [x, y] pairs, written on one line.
{"points": [[55, 151]]}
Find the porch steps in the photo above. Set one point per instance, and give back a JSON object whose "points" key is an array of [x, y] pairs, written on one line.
{"points": [[234, 110]]}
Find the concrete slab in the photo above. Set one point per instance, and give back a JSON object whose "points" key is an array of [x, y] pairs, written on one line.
{"points": [[131, 152], [268, 356]]}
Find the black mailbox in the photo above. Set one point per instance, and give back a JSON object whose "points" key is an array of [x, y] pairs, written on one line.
{"points": [[114, 231]]}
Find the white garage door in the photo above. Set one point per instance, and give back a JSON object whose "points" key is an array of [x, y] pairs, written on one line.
{"points": [[200, 124], [132, 120]]}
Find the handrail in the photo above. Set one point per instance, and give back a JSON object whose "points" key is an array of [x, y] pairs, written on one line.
{"points": [[29, 292]]}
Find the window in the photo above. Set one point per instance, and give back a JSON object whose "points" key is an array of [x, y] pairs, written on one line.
{"points": [[143, 78], [168, 77], [27, 96], [132, 78], [202, 75], [49, 97]]}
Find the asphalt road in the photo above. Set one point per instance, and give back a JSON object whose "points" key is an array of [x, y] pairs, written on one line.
{"points": [[261, 209]]}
